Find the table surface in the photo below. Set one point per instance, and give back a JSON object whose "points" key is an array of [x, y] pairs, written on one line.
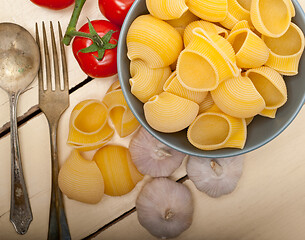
{"points": [[268, 203]]}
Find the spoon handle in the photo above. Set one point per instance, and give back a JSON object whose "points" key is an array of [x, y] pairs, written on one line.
{"points": [[20, 210]]}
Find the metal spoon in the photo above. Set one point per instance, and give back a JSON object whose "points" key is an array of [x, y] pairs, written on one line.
{"points": [[19, 64]]}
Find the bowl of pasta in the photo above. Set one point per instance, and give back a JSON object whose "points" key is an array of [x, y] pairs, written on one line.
{"points": [[213, 84]]}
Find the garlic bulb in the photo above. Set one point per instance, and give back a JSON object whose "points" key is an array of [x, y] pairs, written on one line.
{"points": [[119, 172], [215, 176], [81, 179], [165, 208], [153, 157]]}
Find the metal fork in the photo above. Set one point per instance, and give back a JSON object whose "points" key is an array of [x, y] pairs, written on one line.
{"points": [[53, 103]]}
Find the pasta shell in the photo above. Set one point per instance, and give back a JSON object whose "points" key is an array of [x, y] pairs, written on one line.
{"points": [[215, 130], [180, 23], [271, 17], [114, 86], [206, 104], [236, 13], [210, 10], [166, 9], [121, 116], [250, 50], [154, 41], [146, 82], [119, 172], [80, 179], [169, 113], [238, 97], [271, 86], [172, 85], [89, 128], [286, 51], [207, 26], [206, 61], [240, 25]]}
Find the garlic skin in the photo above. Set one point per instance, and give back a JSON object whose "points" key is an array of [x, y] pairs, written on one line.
{"points": [[81, 179], [215, 176], [165, 208], [153, 157]]}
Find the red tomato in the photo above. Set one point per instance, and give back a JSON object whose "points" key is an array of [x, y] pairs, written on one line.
{"points": [[115, 10], [88, 63], [53, 4]]}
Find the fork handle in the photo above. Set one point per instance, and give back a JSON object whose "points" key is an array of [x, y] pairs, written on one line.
{"points": [[20, 210], [58, 225]]}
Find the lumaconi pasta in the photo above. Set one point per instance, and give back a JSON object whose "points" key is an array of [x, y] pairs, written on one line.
{"points": [[168, 113], [81, 179], [172, 85], [268, 113], [210, 10], [121, 116], [206, 61], [154, 41], [207, 26], [238, 97], [119, 172], [89, 128], [166, 9], [214, 129], [180, 23], [286, 51], [250, 50], [271, 86], [240, 25], [236, 12], [146, 82], [271, 17]]}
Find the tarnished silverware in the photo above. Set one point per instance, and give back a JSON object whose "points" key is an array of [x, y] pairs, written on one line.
{"points": [[53, 103], [19, 64]]}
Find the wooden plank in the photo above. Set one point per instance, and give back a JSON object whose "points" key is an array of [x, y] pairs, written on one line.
{"points": [[27, 14], [84, 219], [268, 204]]}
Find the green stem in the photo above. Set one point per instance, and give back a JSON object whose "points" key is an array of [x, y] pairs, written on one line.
{"points": [[71, 29]]}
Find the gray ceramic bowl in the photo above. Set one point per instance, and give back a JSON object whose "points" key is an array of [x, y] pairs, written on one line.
{"points": [[260, 131]]}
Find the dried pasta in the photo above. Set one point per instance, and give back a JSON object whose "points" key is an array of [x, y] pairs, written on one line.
{"points": [[209, 10], [169, 113], [172, 85], [206, 104], [154, 41], [250, 49], [271, 17], [271, 86], [121, 116], [214, 129], [89, 128], [166, 9], [207, 26], [286, 51], [146, 82], [238, 97]]}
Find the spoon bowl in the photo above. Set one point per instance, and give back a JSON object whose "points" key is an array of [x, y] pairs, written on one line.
{"points": [[19, 64]]}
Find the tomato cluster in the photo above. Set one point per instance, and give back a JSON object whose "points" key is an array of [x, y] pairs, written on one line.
{"points": [[94, 45]]}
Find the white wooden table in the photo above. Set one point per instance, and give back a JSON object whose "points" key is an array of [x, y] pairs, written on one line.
{"points": [[269, 202]]}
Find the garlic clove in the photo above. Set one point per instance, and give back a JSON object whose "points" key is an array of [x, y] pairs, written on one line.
{"points": [[215, 176], [81, 179], [120, 174], [152, 157], [165, 208]]}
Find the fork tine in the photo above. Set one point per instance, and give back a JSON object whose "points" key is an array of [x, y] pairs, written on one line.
{"points": [[63, 60], [47, 58], [55, 59], [40, 76]]}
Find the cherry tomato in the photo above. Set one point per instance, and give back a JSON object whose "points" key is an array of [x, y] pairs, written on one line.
{"points": [[89, 64], [53, 4], [115, 10]]}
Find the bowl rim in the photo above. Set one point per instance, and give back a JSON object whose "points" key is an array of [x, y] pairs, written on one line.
{"points": [[121, 42]]}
